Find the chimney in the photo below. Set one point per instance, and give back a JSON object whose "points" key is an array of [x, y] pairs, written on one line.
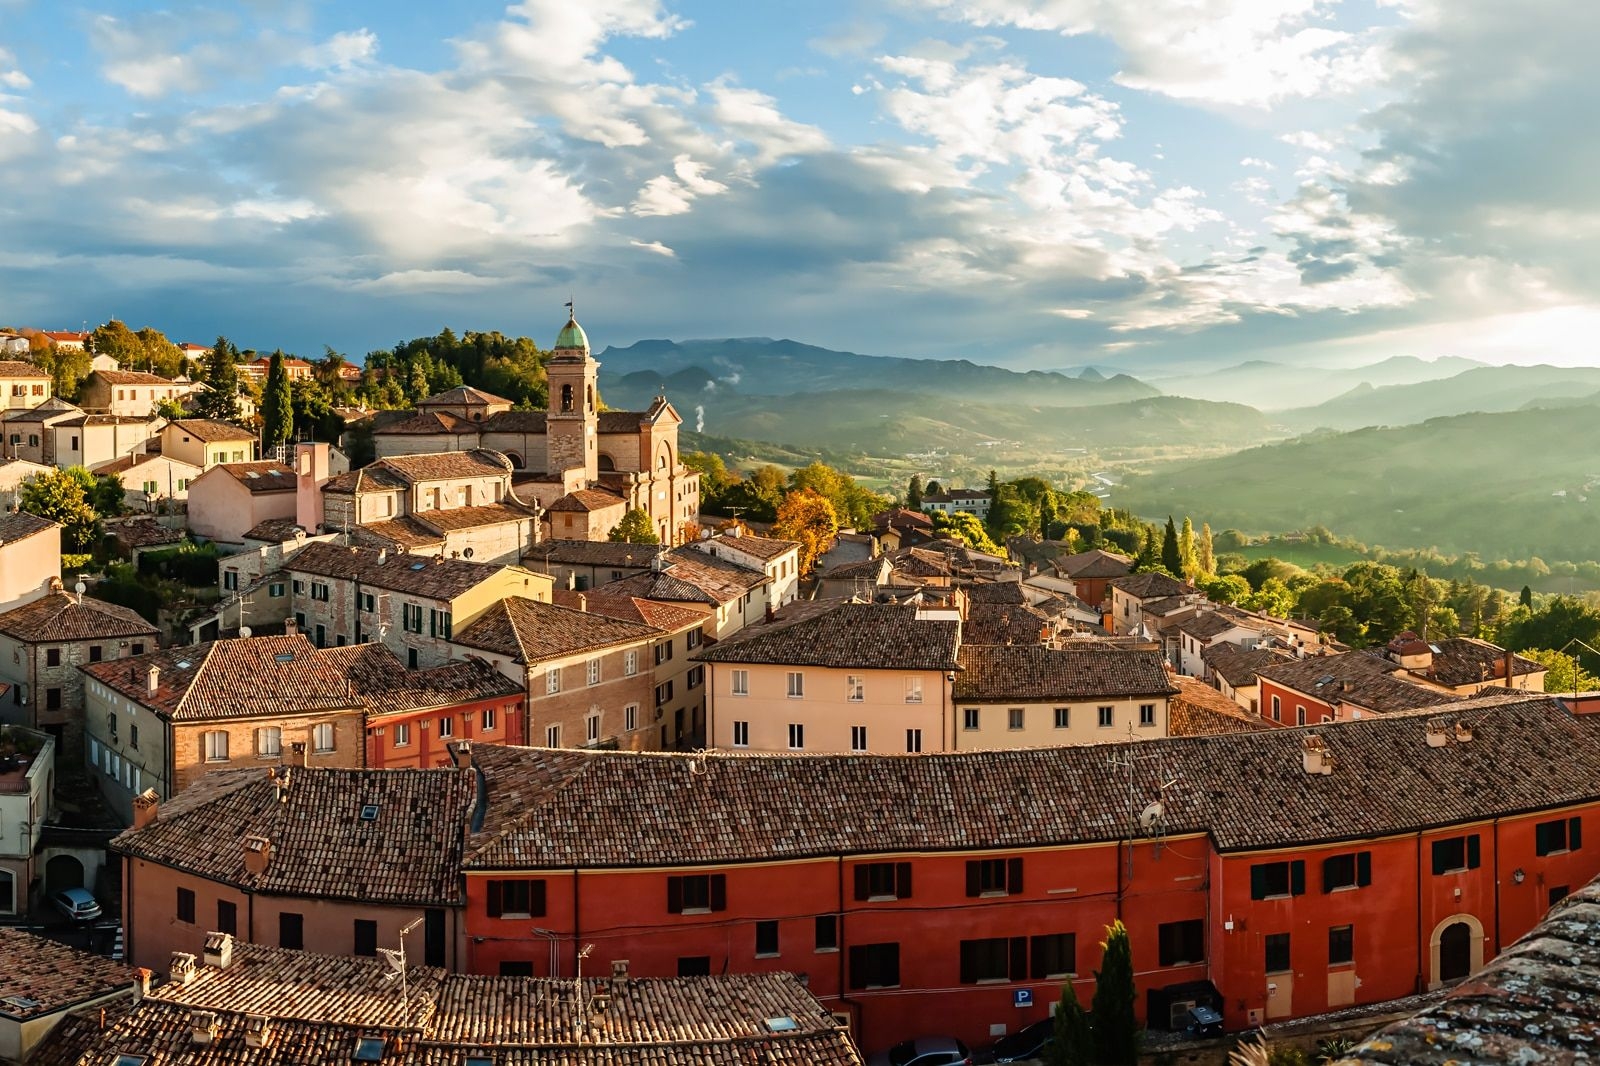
{"points": [[257, 854], [311, 461], [289, 627], [383, 556], [619, 969], [145, 807], [1463, 733], [182, 969], [461, 753], [1316, 756], [142, 978], [583, 602], [152, 679], [219, 949], [1438, 736], [257, 1028], [1511, 668], [202, 1025]]}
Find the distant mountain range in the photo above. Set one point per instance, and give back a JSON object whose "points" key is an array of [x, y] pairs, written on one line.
{"points": [[1484, 388], [758, 366], [1505, 485], [1273, 386]]}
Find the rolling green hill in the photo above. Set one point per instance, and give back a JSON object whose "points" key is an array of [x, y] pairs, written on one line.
{"points": [[1505, 485], [1275, 386]]}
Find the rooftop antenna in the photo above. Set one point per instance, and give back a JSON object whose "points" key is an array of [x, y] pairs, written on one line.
{"points": [[397, 962], [1149, 817]]}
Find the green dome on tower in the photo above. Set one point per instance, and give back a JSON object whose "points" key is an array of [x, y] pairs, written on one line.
{"points": [[572, 335]]}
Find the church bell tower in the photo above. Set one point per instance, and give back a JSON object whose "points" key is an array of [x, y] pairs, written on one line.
{"points": [[572, 423]]}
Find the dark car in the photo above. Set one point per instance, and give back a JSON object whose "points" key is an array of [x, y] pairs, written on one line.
{"points": [[924, 1051], [1204, 1021], [1026, 1043]]}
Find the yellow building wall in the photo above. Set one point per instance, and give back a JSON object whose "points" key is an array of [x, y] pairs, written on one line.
{"points": [[1039, 729], [825, 710]]}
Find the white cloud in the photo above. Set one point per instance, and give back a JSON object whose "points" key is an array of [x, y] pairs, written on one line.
{"points": [[341, 51], [655, 246], [1243, 52], [753, 117]]}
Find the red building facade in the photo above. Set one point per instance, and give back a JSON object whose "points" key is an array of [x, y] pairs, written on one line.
{"points": [[960, 936]]}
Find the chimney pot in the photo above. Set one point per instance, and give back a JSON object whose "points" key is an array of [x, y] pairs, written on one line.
{"points": [[289, 626], [145, 807], [142, 977], [219, 950], [182, 969], [152, 679], [257, 856]]}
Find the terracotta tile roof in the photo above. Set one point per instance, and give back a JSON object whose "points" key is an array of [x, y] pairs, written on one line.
{"points": [[51, 975], [1237, 666], [386, 687], [51, 408], [1094, 563], [764, 548], [439, 466], [871, 636], [1198, 710], [17, 525], [557, 808], [1151, 585], [111, 420], [900, 518], [667, 617], [1467, 661], [420, 575], [144, 533], [275, 530], [403, 532], [690, 576], [131, 462], [1208, 624], [515, 422], [248, 677], [374, 478], [210, 431], [588, 500], [593, 553], [424, 422], [130, 377], [621, 421], [1002, 592], [1004, 623], [530, 631], [263, 478], [1353, 677], [1538, 1001], [16, 368], [318, 1006], [410, 852], [59, 617], [1038, 674], [489, 514], [461, 394]]}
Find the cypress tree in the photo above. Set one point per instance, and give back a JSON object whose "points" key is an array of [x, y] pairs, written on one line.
{"points": [[914, 493], [222, 378], [277, 407], [1171, 558], [1074, 1040], [1112, 1020]]}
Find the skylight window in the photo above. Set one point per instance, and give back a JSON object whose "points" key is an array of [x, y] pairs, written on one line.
{"points": [[129, 1060], [784, 1024], [369, 813], [419, 566], [284, 657], [369, 1049], [184, 664]]}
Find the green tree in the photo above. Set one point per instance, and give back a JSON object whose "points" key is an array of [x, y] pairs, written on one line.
{"points": [[1207, 553], [1525, 597], [968, 529], [1564, 672], [1074, 1040], [914, 493], [1170, 556], [807, 516], [1230, 588], [635, 528], [170, 408], [67, 367], [63, 497], [277, 406], [933, 489], [106, 497], [1113, 1022], [1187, 551], [220, 398], [1273, 597]]}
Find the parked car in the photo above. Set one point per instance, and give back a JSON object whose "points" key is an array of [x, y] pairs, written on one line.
{"points": [[924, 1051], [76, 904], [1028, 1042]]}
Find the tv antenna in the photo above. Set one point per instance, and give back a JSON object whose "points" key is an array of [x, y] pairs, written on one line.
{"points": [[1148, 816], [396, 958]]}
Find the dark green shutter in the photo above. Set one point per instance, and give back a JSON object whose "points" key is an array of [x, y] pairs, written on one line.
{"points": [[1019, 958], [1297, 877], [1014, 877], [1574, 834], [902, 880], [674, 895], [1363, 868], [1474, 855], [719, 892], [862, 882], [974, 881], [495, 908]]}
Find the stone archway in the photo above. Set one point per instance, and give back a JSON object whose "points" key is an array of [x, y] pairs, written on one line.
{"points": [[1455, 950], [62, 871]]}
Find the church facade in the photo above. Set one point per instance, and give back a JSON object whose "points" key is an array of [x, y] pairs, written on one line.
{"points": [[584, 467]]}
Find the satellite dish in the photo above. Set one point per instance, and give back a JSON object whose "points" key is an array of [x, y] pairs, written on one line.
{"points": [[80, 588], [466, 553], [1151, 816], [244, 631]]}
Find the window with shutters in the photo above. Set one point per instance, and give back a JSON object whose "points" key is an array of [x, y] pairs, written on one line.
{"points": [[697, 894], [1147, 714], [1277, 952], [766, 939], [1341, 945], [994, 877], [216, 746], [447, 726], [1563, 834], [1276, 880], [883, 880], [227, 917], [322, 737], [552, 680], [366, 938], [797, 736], [269, 741], [402, 734], [913, 741], [1015, 717], [486, 720], [630, 663], [827, 932], [797, 685], [186, 905], [1347, 871], [1454, 854], [1053, 955], [994, 959], [914, 688], [521, 897], [874, 966], [592, 671], [1107, 717], [1181, 943]]}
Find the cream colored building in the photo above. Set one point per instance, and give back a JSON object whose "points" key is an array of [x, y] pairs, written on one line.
{"points": [[204, 442], [30, 558], [1029, 696], [150, 480], [850, 677], [129, 392], [91, 441], [228, 500], [22, 385]]}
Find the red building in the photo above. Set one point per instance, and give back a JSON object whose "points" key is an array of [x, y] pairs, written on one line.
{"points": [[1287, 873], [1336, 688], [414, 715]]}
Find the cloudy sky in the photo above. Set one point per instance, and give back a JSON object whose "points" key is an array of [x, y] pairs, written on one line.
{"points": [[1035, 182]]}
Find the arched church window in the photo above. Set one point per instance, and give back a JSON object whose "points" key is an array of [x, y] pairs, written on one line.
{"points": [[566, 397]]}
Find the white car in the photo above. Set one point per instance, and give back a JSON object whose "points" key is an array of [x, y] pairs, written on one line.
{"points": [[76, 904]]}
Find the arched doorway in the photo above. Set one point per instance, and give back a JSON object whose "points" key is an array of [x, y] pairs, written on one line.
{"points": [[62, 871], [1455, 952], [9, 904]]}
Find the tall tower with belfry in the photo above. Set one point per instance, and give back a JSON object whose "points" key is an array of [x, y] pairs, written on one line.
{"points": [[572, 421]]}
